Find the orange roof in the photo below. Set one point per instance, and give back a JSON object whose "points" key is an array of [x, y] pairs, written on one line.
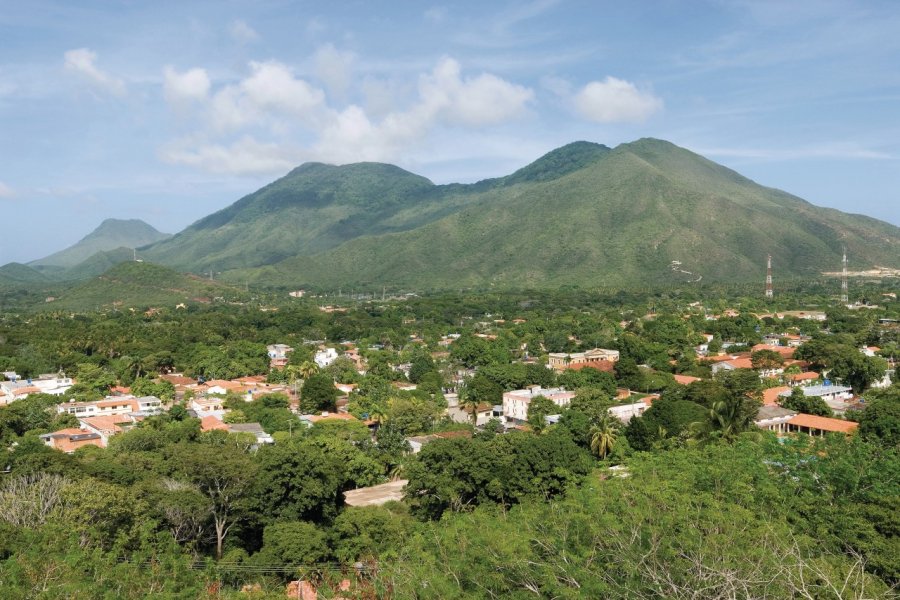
{"points": [[685, 379], [178, 379], [251, 379], [118, 402], [721, 358], [784, 351], [210, 422], [106, 423], [807, 376], [228, 385], [26, 390], [62, 439], [823, 423], [741, 363], [770, 396], [120, 389]]}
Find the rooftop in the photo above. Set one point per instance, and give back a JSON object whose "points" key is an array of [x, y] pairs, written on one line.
{"points": [[376, 494], [824, 423]]}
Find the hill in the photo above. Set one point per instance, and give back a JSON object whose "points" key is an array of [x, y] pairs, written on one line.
{"points": [[17, 273], [318, 207], [140, 285], [111, 234], [646, 212]]}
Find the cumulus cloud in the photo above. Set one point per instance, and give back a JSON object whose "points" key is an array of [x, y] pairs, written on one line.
{"points": [[477, 101], [334, 68], [272, 101], [245, 156], [82, 61], [181, 89], [615, 100], [6, 191], [241, 32]]}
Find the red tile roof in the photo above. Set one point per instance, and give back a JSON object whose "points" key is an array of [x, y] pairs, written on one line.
{"points": [[607, 366], [824, 423], [210, 422], [685, 379], [770, 396]]}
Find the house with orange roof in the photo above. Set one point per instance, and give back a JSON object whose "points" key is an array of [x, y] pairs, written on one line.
{"points": [[805, 378], [685, 379], [71, 439], [771, 395], [815, 425], [106, 426]]}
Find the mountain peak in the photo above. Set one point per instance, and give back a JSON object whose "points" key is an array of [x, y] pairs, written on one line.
{"points": [[559, 162], [109, 235]]}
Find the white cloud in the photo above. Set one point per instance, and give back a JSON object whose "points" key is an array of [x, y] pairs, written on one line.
{"points": [[246, 156], [181, 89], [6, 191], [482, 100], [241, 32], [83, 62], [271, 101], [334, 68], [615, 100]]}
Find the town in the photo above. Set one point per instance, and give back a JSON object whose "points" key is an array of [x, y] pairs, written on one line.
{"points": [[374, 404]]}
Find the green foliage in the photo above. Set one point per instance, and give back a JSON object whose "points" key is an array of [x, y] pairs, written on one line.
{"points": [[810, 405], [292, 543], [318, 394], [538, 409], [880, 422]]}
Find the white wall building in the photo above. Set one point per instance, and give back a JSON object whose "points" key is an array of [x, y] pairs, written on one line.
{"points": [[516, 402]]}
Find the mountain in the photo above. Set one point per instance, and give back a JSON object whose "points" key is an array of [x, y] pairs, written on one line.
{"points": [[317, 207], [17, 273], [111, 234], [645, 212], [139, 285]]}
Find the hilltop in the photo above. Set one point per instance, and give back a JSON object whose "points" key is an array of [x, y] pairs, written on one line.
{"points": [[139, 285], [111, 234]]}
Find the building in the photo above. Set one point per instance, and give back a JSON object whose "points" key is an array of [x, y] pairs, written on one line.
{"points": [[774, 418], [814, 425], [516, 402], [106, 426], [325, 357], [55, 384], [416, 442], [71, 439], [376, 495], [483, 413], [560, 361], [278, 355], [625, 412], [837, 397]]}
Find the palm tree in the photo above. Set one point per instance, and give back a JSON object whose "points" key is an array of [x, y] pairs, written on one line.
{"points": [[603, 436], [307, 369], [377, 414], [469, 403]]}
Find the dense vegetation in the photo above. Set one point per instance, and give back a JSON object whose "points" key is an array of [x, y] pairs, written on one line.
{"points": [[687, 500]]}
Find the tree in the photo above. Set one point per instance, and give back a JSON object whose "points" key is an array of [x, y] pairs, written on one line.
{"points": [[880, 420], [810, 405], [293, 543], [318, 394], [766, 360], [603, 436], [539, 408], [222, 473]]}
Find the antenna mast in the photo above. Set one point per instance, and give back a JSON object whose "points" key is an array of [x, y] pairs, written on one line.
{"points": [[845, 298], [769, 292]]}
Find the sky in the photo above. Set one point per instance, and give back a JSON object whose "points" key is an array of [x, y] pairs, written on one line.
{"points": [[167, 111]]}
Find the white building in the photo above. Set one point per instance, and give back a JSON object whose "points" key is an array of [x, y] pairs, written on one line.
{"points": [[516, 402], [325, 357]]}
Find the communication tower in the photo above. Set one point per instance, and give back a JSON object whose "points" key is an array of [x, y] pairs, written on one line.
{"points": [[769, 293], [845, 298]]}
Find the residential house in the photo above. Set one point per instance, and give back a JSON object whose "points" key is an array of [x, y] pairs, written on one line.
{"points": [[483, 413], [418, 441], [278, 355], [625, 412], [325, 357], [107, 426], [71, 439], [516, 402]]}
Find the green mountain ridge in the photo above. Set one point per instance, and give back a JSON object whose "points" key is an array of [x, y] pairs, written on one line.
{"points": [[619, 220], [109, 235], [139, 285]]}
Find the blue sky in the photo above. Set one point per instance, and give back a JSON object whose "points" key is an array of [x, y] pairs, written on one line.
{"points": [[167, 111]]}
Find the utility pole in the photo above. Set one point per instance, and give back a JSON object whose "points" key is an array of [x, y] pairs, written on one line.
{"points": [[845, 297], [769, 292]]}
